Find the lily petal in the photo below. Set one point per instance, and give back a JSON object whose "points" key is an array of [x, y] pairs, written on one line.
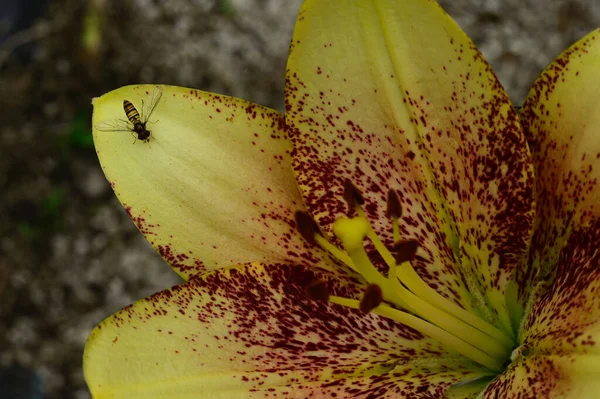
{"points": [[562, 118], [392, 95], [213, 187], [565, 377], [566, 317], [247, 330]]}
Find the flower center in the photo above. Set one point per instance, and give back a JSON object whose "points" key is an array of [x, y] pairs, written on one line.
{"points": [[402, 295]]}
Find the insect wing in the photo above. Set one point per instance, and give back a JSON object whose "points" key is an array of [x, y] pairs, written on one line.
{"points": [[115, 125], [148, 108]]}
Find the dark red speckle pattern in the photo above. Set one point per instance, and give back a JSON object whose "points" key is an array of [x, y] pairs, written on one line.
{"points": [[257, 321], [566, 316], [538, 377], [221, 192], [437, 128], [560, 119], [445, 138], [564, 142]]}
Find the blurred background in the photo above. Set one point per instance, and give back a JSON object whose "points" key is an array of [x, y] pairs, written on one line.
{"points": [[69, 255]]}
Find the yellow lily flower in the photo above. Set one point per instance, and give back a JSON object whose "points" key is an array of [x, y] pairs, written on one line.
{"points": [[401, 232]]}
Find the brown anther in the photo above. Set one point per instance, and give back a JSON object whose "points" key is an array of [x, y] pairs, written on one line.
{"points": [[352, 197], [394, 209], [306, 226], [318, 290], [405, 251], [372, 298]]}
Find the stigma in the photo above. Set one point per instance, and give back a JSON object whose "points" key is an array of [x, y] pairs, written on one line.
{"points": [[401, 294]]}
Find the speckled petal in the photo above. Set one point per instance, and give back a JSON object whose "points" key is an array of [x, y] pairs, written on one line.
{"points": [[468, 389], [250, 331], [213, 186], [566, 317], [561, 117], [559, 377], [393, 95]]}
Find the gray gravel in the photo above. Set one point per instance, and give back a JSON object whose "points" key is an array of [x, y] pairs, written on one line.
{"points": [[56, 287]]}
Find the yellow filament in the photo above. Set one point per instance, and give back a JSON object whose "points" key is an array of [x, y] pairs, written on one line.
{"points": [[334, 251], [445, 338], [430, 313], [371, 274], [411, 279], [452, 324], [383, 251]]}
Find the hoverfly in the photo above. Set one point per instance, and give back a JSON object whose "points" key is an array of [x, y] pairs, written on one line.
{"points": [[136, 121]]}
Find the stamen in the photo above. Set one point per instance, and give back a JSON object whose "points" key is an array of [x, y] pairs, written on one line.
{"points": [[452, 324], [371, 274], [306, 226], [383, 251], [308, 230], [405, 251], [445, 338], [394, 212], [394, 209], [413, 282], [352, 196], [318, 290], [409, 277], [351, 233], [334, 251], [372, 298], [402, 288]]}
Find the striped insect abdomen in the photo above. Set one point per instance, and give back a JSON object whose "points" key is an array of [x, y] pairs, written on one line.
{"points": [[132, 114]]}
